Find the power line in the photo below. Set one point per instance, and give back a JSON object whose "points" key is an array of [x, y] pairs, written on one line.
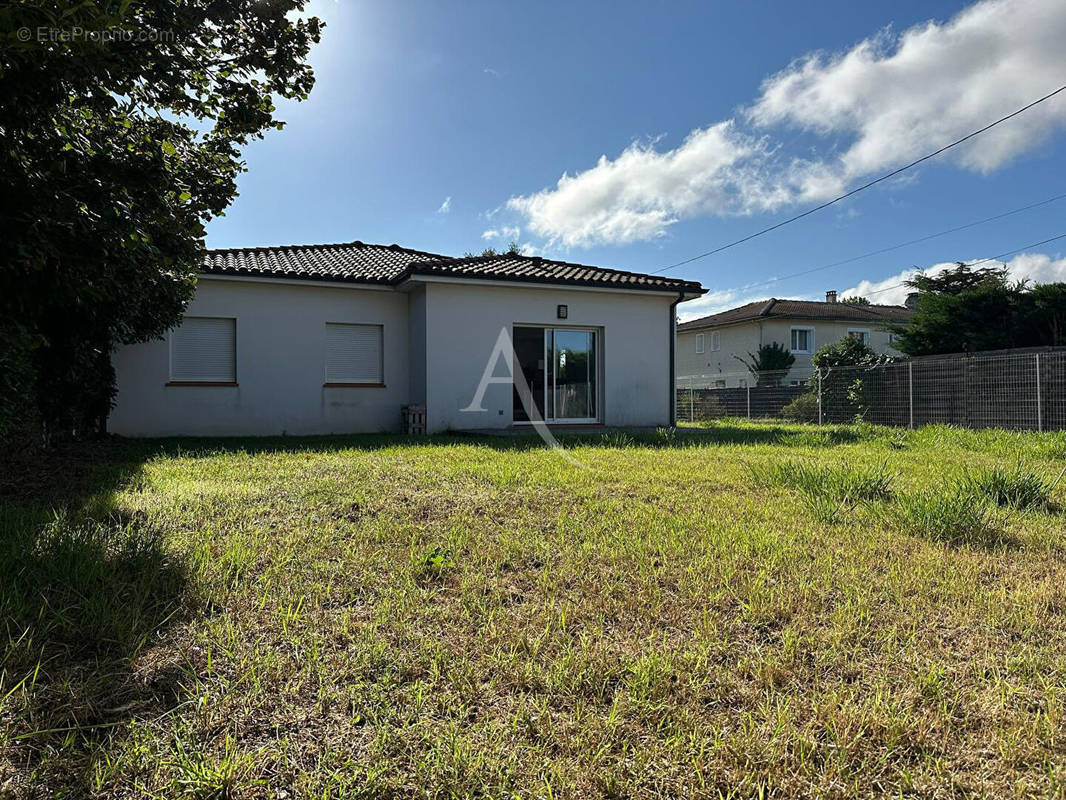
{"points": [[896, 246], [867, 185], [979, 261]]}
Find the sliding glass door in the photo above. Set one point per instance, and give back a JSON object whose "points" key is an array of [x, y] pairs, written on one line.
{"points": [[561, 367]]}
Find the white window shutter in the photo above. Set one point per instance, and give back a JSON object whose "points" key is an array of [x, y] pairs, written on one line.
{"points": [[353, 353], [204, 349]]}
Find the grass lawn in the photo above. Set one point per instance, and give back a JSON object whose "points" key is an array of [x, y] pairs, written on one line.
{"points": [[743, 610]]}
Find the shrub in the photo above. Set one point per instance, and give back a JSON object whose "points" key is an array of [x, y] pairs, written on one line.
{"points": [[769, 364], [802, 409], [17, 376]]}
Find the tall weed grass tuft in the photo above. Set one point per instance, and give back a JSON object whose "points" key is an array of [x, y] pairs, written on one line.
{"points": [[951, 515], [829, 492], [847, 483], [1017, 488]]}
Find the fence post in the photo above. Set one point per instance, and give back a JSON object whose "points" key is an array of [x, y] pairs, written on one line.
{"points": [[1039, 398], [910, 392], [819, 395], [748, 387], [691, 412]]}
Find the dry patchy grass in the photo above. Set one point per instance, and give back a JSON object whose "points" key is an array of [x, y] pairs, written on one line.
{"points": [[376, 617]]}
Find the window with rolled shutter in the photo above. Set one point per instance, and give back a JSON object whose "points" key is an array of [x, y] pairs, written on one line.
{"points": [[204, 350], [353, 353]]}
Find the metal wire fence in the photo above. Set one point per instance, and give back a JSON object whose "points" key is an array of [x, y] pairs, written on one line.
{"points": [[1020, 390]]}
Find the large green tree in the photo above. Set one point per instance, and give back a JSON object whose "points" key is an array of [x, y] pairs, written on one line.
{"points": [[121, 124], [969, 309]]}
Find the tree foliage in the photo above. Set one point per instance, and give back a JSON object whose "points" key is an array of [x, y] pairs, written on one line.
{"points": [[116, 147], [847, 377], [769, 364], [857, 301], [512, 250], [969, 309], [847, 352]]}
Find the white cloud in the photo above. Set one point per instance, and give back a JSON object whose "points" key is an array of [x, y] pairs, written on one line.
{"points": [[642, 192], [885, 101], [446, 206], [1034, 267], [902, 97], [507, 233]]}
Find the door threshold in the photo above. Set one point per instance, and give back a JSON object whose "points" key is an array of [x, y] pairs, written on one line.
{"points": [[559, 426]]}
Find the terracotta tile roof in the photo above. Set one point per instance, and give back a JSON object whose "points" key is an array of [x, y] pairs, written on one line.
{"points": [[802, 309], [356, 262], [353, 262], [532, 269]]}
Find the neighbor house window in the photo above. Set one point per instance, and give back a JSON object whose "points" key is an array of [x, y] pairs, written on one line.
{"points": [[204, 350], [802, 340], [699, 342], [719, 384], [354, 354], [862, 334], [716, 342]]}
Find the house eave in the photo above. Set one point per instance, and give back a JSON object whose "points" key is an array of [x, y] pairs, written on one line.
{"points": [[336, 283], [409, 281], [791, 318]]}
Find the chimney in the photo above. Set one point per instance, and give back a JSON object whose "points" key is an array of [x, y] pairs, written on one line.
{"points": [[912, 300], [831, 296]]}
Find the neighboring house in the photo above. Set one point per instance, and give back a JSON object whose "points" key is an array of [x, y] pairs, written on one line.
{"points": [[338, 338], [707, 348]]}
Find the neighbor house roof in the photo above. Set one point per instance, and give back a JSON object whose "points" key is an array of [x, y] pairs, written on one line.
{"points": [[802, 309], [356, 262]]}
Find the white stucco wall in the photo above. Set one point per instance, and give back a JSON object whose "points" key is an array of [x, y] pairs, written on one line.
{"points": [[437, 339], [464, 322], [280, 366], [746, 337], [419, 336]]}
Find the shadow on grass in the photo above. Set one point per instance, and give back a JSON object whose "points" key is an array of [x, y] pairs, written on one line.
{"points": [[84, 591], [506, 440]]}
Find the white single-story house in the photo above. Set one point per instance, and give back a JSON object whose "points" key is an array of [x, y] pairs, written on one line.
{"points": [[708, 348], [340, 338]]}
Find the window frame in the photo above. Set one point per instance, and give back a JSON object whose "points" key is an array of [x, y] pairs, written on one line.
{"points": [[866, 338], [700, 344], [172, 381], [334, 384], [716, 341], [810, 339]]}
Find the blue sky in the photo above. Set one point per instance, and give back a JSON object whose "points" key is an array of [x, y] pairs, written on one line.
{"points": [[680, 127]]}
